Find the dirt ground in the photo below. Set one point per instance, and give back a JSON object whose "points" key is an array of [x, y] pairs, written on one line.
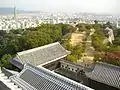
{"points": [[76, 38]]}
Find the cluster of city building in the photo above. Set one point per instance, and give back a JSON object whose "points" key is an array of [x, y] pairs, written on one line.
{"points": [[27, 20]]}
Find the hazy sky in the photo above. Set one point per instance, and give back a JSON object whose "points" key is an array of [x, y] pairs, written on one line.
{"points": [[93, 6]]}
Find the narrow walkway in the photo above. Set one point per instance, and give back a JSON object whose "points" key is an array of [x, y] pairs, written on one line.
{"points": [[88, 54]]}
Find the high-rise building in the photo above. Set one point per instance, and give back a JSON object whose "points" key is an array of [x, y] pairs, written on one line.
{"points": [[14, 12]]}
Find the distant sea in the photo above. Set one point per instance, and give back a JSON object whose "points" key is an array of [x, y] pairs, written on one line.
{"points": [[4, 11]]}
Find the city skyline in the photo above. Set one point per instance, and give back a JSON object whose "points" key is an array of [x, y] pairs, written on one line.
{"points": [[89, 6]]}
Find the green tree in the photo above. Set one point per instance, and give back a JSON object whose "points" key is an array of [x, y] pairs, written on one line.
{"points": [[65, 28], [96, 22], [98, 38], [35, 39], [81, 27], [97, 42], [72, 58], [4, 62], [116, 41]]}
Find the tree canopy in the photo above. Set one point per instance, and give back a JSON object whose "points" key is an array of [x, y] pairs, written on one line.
{"points": [[24, 39]]}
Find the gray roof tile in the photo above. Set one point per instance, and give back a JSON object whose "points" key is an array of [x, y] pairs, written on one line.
{"points": [[42, 54], [106, 73], [33, 78]]}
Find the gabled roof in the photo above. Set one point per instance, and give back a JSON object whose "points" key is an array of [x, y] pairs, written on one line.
{"points": [[43, 54], [33, 78], [106, 73]]}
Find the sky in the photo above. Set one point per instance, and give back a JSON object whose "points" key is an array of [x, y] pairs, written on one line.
{"points": [[91, 6]]}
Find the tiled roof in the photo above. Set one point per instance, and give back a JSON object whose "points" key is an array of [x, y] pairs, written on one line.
{"points": [[106, 73], [5, 82], [3, 86], [33, 78], [8, 72], [16, 63], [43, 54]]}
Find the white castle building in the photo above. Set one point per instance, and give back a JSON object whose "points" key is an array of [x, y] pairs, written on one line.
{"points": [[110, 35]]}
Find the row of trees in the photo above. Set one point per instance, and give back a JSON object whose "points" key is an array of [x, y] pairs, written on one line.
{"points": [[98, 38]]}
